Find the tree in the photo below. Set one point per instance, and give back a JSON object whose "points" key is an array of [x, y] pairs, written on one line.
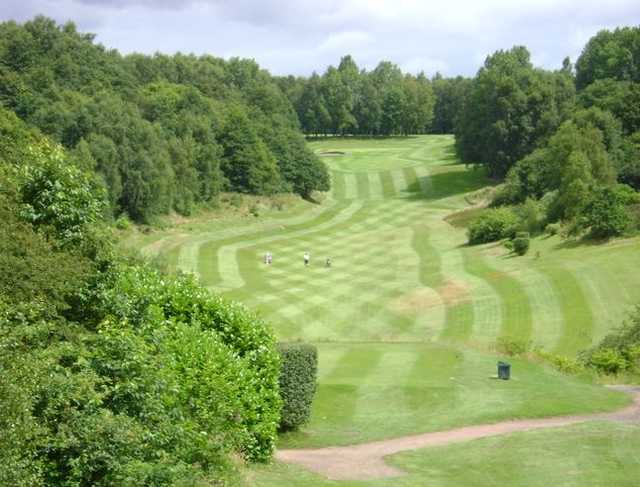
{"points": [[511, 109], [613, 55], [606, 214], [247, 163]]}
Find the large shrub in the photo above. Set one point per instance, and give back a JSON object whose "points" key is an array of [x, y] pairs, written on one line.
{"points": [[606, 215], [521, 245], [492, 225], [619, 351], [144, 297], [297, 383]]}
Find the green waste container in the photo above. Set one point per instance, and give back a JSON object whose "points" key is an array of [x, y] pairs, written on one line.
{"points": [[504, 370]]}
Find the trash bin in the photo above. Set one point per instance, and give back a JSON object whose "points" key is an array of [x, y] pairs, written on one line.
{"points": [[504, 370]]}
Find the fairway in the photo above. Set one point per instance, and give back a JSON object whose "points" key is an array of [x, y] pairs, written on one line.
{"points": [[407, 316]]}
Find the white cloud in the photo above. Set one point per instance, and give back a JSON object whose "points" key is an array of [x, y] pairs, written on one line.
{"points": [[344, 41]]}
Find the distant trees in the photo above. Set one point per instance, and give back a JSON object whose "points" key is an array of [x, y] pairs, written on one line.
{"points": [[511, 109], [348, 100], [574, 158], [152, 127]]}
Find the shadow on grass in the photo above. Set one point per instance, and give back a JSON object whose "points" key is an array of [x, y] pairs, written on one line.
{"points": [[315, 138], [445, 184], [585, 241]]}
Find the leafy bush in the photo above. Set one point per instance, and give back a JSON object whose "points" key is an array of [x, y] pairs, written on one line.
{"points": [[512, 346], [553, 229], [608, 360], [521, 245], [493, 224], [561, 363], [606, 215], [123, 222], [142, 296], [297, 383], [619, 350]]}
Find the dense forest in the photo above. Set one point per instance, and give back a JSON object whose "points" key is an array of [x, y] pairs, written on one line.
{"points": [[163, 133], [349, 101]]}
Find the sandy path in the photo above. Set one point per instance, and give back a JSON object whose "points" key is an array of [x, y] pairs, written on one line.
{"points": [[366, 461]]}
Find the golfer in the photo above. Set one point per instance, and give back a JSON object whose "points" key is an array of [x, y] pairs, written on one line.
{"points": [[306, 258]]}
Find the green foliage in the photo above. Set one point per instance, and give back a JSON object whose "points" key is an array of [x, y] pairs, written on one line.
{"points": [[563, 364], [113, 374], [619, 351], [553, 229], [532, 216], [31, 269], [298, 377], [139, 295], [57, 195], [614, 55], [608, 361], [347, 100], [510, 110], [151, 127], [492, 225], [607, 215], [521, 245], [512, 347]]}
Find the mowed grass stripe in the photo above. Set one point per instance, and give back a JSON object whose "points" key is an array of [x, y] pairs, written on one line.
{"points": [[350, 185], [227, 259], [388, 189], [362, 179], [423, 177], [338, 394], [376, 191], [338, 185], [576, 312], [546, 306], [516, 311], [399, 182], [411, 183]]}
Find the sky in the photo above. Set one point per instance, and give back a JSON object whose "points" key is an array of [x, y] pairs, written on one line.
{"points": [[298, 37]]}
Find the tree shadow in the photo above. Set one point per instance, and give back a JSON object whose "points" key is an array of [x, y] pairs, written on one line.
{"points": [[445, 184], [585, 241]]}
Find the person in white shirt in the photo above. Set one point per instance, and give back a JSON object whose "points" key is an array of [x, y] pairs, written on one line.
{"points": [[306, 258]]}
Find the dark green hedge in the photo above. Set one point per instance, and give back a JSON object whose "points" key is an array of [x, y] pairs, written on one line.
{"points": [[297, 383]]}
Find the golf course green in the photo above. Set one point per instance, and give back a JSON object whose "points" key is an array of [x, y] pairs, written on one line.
{"points": [[407, 315]]}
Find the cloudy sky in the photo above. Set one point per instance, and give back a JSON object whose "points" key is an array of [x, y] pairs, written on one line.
{"points": [[299, 36]]}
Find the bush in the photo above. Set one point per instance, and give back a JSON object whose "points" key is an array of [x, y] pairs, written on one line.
{"points": [[609, 361], [561, 363], [553, 229], [123, 222], [492, 225], [147, 299], [512, 347], [607, 215], [619, 350], [521, 245], [297, 383]]}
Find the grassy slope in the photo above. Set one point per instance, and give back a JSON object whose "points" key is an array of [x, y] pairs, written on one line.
{"points": [[404, 313]]}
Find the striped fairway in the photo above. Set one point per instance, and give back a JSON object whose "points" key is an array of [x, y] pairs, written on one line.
{"points": [[405, 315]]}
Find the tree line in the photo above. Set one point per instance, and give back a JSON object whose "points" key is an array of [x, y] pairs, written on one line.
{"points": [[163, 133], [348, 100], [566, 142]]}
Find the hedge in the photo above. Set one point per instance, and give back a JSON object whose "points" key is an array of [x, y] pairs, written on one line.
{"points": [[298, 374]]}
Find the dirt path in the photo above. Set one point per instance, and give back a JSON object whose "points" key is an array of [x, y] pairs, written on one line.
{"points": [[366, 461]]}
